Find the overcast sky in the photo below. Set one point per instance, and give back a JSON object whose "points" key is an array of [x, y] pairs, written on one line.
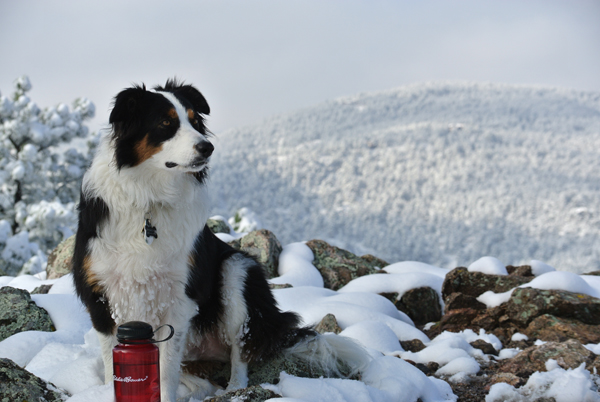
{"points": [[254, 59]]}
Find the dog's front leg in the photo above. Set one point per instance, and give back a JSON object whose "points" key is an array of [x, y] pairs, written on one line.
{"points": [[171, 352], [107, 344]]}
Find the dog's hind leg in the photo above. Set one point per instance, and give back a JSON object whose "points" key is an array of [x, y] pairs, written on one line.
{"points": [[235, 317], [239, 369]]}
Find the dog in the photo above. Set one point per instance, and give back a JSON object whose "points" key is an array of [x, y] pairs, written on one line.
{"points": [[143, 251]]}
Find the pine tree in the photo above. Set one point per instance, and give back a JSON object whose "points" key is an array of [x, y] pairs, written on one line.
{"points": [[40, 176]]}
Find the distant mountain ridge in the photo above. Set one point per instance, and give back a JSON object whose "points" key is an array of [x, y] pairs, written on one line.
{"points": [[442, 173]]}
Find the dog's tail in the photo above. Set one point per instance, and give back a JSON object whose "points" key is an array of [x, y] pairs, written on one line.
{"points": [[332, 354]]}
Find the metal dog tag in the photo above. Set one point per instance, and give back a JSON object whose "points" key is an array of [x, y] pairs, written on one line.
{"points": [[150, 232]]}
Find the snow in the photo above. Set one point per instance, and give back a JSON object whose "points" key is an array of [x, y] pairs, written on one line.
{"points": [[551, 280], [562, 385], [392, 174], [539, 268], [517, 336], [70, 357], [488, 265], [295, 267]]}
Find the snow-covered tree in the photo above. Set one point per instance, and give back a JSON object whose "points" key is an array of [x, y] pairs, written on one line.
{"points": [[40, 176]]}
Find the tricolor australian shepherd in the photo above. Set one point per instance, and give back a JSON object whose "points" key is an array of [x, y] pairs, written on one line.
{"points": [[144, 253]]}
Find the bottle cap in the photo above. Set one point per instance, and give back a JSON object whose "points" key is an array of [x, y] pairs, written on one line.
{"points": [[134, 331]]}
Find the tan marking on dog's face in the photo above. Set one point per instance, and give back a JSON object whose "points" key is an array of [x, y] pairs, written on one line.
{"points": [[191, 114], [172, 113], [145, 151]]}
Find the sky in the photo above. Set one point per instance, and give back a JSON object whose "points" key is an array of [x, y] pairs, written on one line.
{"points": [[255, 59]]}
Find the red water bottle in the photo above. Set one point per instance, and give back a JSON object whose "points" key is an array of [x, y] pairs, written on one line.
{"points": [[135, 363]]}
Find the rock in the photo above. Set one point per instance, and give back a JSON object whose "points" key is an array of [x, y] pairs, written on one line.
{"points": [[328, 324], [422, 305], [258, 372], [414, 345], [508, 378], [490, 319], [59, 260], [457, 320], [41, 290], [218, 226], [264, 246], [338, 266], [280, 286], [255, 393], [555, 329], [18, 384], [427, 369], [523, 270], [460, 300], [475, 283], [569, 354], [374, 261], [391, 296], [525, 304], [19, 313], [485, 347]]}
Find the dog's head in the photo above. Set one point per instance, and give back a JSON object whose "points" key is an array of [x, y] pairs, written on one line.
{"points": [[163, 127]]}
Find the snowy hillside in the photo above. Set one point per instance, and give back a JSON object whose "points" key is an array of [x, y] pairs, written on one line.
{"points": [[438, 173]]}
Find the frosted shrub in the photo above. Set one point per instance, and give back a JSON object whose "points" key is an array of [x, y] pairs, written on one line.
{"points": [[40, 176], [244, 220]]}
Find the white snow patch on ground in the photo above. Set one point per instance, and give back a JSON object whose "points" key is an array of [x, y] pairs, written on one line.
{"points": [[70, 357], [551, 280]]}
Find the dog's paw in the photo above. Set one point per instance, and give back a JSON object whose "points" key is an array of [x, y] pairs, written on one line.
{"points": [[194, 387]]}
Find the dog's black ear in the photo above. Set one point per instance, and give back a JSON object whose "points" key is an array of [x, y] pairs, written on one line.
{"points": [[195, 97], [179, 88], [126, 120], [127, 104]]}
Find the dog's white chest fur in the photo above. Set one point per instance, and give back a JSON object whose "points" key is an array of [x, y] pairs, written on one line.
{"points": [[143, 281]]}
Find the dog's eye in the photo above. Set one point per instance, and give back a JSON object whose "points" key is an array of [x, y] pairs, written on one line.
{"points": [[165, 123], [194, 122]]}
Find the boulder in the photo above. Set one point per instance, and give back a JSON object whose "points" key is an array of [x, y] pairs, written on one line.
{"points": [[41, 290], [218, 226], [555, 329], [460, 300], [18, 384], [422, 305], [19, 313], [485, 347], [338, 266], [374, 261], [508, 378], [455, 321], [264, 246], [259, 372], [328, 324], [475, 283], [254, 393], [59, 260], [523, 270], [414, 345], [569, 354], [525, 304]]}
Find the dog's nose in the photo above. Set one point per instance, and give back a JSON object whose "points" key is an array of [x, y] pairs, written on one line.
{"points": [[204, 148]]}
